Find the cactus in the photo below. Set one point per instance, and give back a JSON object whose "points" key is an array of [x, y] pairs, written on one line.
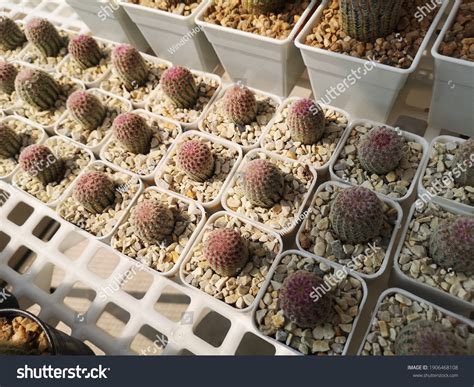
{"points": [[9, 349], [226, 251], [133, 132], [10, 142], [368, 20], [44, 36], [452, 244], [152, 221], [95, 191], [240, 105], [306, 121], [196, 159], [463, 161], [40, 162], [130, 66], [356, 215], [263, 183], [8, 73], [381, 150], [262, 6], [179, 86], [85, 50], [86, 109], [428, 338], [301, 302], [37, 88], [11, 36]]}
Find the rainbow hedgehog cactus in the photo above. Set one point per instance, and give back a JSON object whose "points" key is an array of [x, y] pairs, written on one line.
{"points": [[8, 73], [86, 109], [179, 86], [37, 88], [10, 142], [381, 150], [152, 221], [263, 183], [428, 338], [226, 251], [44, 36], [300, 301], [11, 36], [195, 158], [85, 51], [40, 162], [464, 160], [130, 66], [306, 121], [452, 244], [133, 132], [262, 6], [95, 191], [240, 105], [356, 215]]}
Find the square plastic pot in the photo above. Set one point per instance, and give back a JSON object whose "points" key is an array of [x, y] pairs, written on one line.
{"points": [[374, 94], [264, 63]]}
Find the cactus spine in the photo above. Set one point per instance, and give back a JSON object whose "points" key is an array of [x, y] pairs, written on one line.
{"points": [[85, 50], [179, 86], [306, 121], [37, 88], [40, 162], [11, 36], [263, 183], [153, 221], [86, 109], [44, 36], [10, 142], [8, 73], [95, 191], [133, 132], [130, 66]]}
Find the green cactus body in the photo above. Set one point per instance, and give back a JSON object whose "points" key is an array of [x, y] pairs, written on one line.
{"points": [[152, 221], [8, 73], [86, 109], [10, 142], [306, 121], [45, 37], [240, 105], [37, 88], [263, 183], [11, 36], [262, 6], [9, 349], [40, 162], [85, 50], [179, 86], [464, 161], [133, 132], [196, 160], [130, 66], [368, 20]]}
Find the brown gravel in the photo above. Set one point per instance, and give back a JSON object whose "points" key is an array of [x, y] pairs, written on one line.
{"points": [[24, 334], [184, 8]]}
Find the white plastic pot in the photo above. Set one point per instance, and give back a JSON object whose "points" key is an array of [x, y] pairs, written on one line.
{"points": [[174, 37], [264, 63], [453, 91], [374, 93]]}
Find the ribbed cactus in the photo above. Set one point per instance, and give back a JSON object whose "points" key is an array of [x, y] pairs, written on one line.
{"points": [[263, 183], [44, 36], [86, 109], [152, 221], [40, 162], [306, 121], [130, 66], [368, 20], [8, 73], [428, 338], [179, 86], [196, 159], [304, 299], [85, 50], [37, 88], [356, 215], [95, 191], [452, 244], [240, 105], [381, 150], [10, 142], [464, 161], [10, 349], [11, 36], [133, 132], [262, 6], [226, 251]]}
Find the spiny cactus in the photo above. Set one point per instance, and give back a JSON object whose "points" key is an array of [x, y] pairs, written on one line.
{"points": [[95, 191], [356, 215], [226, 251], [130, 66], [10, 142], [85, 50], [86, 109], [301, 301], [368, 20], [428, 338], [381, 150], [133, 132], [8, 73], [262, 6], [44, 36], [263, 183], [10, 349], [40, 162], [452, 244], [37, 88], [179, 86], [152, 221], [306, 121], [196, 159], [11, 36], [240, 105], [463, 162]]}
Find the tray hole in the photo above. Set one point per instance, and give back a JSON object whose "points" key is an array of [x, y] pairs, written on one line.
{"points": [[103, 263], [213, 328], [50, 278], [22, 259], [4, 240], [31, 3], [46, 229], [136, 281], [61, 326], [252, 345], [113, 320], [4, 196], [79, 299], [20, 213], [94, 348], [173, 304], [29, 305], [149, 342], [73, 245]]}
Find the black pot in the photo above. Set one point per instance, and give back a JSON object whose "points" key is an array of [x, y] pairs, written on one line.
{"points": [[8, 300], [60, 343]]}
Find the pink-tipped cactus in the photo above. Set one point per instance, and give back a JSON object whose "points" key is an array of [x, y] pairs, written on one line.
{"points": [[37, 88], [196, 159], [179, 86], [86, 109], [95, 191], [306, 121], [152, 221], [85, 50], [133, 132], [8, 73], [40, 162], [226, 251], [44, 36], [240, 105], [130, 66], [463, 161], [262, 6], [10, 142], [263, 183], [11, 36]]}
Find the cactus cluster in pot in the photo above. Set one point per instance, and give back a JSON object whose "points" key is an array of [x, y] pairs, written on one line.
{"points": [[85, 51], [37, 88], [130, 66], [8, 73], [95, 191], [132, 131], [44, 36], [306, 121], [40, 162]]}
